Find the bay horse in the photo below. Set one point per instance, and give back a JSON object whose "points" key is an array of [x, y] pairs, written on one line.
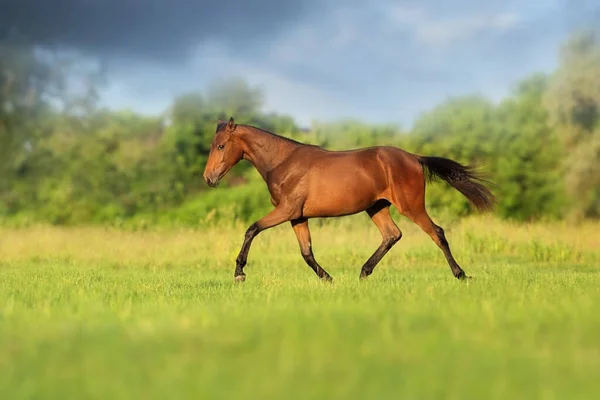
{"points": [[307, 181]]}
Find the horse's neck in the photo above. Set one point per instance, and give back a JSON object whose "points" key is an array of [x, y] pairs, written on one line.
{"points": [[265, 151]]}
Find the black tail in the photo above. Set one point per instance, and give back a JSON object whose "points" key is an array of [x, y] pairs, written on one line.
{"points": [[462, 178]]}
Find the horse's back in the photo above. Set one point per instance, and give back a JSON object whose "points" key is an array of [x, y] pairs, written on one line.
{"points": [[374, 161]]}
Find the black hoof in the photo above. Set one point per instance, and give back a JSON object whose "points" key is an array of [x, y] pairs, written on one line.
{"points": [[460, 275], [463, 277]]}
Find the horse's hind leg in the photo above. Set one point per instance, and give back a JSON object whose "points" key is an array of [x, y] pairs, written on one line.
{"points": [[303, 235], [380, 215], [422, 219]]}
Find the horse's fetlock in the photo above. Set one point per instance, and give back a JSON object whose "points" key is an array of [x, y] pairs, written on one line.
{"points": [[240, 261]]}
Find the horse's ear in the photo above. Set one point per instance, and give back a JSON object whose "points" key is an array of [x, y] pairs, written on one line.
{"points": [[231, 124], [219, 125]]}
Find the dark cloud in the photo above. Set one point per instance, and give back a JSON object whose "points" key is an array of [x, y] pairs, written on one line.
{"points": [[157, 30]]}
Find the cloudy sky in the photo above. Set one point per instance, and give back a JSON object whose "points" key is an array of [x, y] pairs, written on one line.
{"points": [[379, 60]]}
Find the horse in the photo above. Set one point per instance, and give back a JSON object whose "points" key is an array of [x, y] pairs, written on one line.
{"points": [[307, 181]]}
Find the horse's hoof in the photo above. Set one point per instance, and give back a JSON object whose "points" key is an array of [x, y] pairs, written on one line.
{"points": [[327, 279], [465, 277], [240, 278]]}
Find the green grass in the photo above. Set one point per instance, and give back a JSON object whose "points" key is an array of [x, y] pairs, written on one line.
{"points": [[92, 313]]}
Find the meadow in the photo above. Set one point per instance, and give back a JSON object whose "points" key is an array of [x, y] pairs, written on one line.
{"points": [[96, 313]]}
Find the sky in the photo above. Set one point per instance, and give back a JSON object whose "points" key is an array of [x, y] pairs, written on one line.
{"points": [[379, 61]]}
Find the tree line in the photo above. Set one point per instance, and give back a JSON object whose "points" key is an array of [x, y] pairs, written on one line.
{"points": [[65, 160]]}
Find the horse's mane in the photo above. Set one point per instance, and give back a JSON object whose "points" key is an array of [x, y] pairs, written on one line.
{"points": [[221, 125], [273, 134]]}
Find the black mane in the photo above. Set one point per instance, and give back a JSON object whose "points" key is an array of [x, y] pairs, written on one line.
{"points": [[275, 134], [222, 124]]}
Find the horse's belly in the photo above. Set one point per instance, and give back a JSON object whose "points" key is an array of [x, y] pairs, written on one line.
{"points": [[342, 196]]}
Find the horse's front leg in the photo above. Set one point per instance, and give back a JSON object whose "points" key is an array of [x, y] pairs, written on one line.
{"points": [[278, 216]]}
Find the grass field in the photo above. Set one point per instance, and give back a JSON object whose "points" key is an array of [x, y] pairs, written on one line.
{"points": [[94, 313]]}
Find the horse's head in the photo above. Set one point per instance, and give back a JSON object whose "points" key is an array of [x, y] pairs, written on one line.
{"points": [[225, 152]]}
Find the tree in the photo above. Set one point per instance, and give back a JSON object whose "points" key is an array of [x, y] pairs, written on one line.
{"points": [[573, 101], [528, 153], [348, 134], [24, 80], [36, 86], [463, 129], [234, 97]]}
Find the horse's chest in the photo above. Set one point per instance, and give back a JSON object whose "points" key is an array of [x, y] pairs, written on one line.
{"points": [[275, 192], [284, 188]]}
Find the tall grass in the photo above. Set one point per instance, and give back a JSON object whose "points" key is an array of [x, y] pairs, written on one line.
{"points": [[472, 240]]}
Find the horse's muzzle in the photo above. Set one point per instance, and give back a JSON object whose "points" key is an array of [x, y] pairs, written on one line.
{"points": [[212, 181]]}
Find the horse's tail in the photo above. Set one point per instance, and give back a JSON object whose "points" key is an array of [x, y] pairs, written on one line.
{"points": [[461, 177]]}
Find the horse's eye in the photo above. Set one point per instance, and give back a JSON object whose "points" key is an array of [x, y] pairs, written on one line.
{"points": [[221, 146]]}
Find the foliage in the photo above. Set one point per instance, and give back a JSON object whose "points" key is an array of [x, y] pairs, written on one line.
{"points": [[574, 103], [66, 161], [530, 167]]}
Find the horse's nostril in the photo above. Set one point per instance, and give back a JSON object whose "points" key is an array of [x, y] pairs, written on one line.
{"points": [[211, 183]]}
